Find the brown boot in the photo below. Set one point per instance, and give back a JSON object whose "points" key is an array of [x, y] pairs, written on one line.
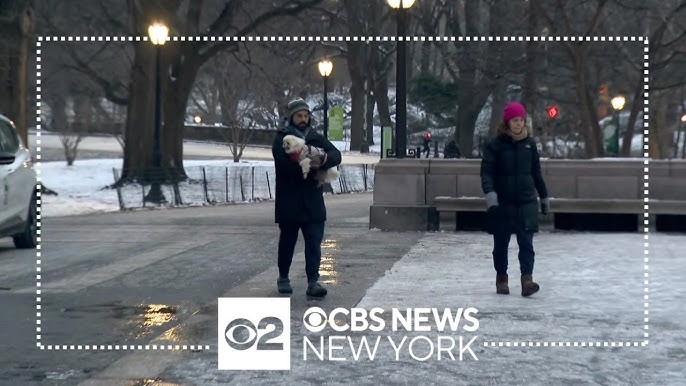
{"points": [[529, 286], [501, 285]]}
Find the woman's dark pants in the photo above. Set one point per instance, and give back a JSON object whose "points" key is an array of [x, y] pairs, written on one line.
{"points": [[526, 252]]}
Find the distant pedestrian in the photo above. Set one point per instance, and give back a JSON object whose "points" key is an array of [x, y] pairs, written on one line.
{"points": [[299, 202], [452, 150], [427, 140], [511, 177]]}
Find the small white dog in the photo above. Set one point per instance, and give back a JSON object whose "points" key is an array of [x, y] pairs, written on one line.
{"points": [[293, 144]]}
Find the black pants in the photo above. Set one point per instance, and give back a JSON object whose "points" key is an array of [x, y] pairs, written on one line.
{"points": [[525, 240], [313, 233]]}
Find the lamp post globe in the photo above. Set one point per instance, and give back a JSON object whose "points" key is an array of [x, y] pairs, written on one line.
{"points": [[158, 34], [618, 102], [325, 69], [617, 105], [395, 4], [401, 7]]}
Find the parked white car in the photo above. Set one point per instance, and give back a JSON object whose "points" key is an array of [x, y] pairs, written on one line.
{"points": [[17, 188]]}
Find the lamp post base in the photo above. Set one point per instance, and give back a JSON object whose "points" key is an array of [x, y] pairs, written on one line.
{"points": [[155, 194]]}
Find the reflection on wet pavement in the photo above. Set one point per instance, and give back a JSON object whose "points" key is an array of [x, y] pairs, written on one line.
{"points": [[327, 268], [150, 382], [158, 314], [174, 335], [146, 317]]}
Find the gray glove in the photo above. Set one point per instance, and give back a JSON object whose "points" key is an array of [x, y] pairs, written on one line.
{"points": [[491, 199], [545, 205]]}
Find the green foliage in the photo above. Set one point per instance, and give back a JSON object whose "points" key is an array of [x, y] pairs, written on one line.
{"points": [[434, 95]]}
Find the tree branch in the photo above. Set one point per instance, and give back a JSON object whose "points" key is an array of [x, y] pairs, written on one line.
{"points": [[193, 15], [108, 87], [596, 18], [290, 8]]}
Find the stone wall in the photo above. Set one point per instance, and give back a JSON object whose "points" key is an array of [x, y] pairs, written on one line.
{"points": [[404, 189]]}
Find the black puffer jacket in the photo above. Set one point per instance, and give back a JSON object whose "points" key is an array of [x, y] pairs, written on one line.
{"points": [[513, 170], [299, 200]]}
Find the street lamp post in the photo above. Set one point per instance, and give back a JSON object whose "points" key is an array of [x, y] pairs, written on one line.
{"points": [[401, 7], [158, 33], [325, 68], [617, 105], [683, 144]]}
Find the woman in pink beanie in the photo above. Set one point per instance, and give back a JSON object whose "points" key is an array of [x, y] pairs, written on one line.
{"points": [[511, 179]]}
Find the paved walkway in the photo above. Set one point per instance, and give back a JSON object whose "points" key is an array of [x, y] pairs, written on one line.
{"points": [[586, 326]]}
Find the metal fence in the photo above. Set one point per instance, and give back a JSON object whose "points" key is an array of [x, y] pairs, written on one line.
{"points": [[213, 185]]}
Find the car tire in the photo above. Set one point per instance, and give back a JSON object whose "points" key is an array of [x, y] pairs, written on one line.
{"points": [[28, 238]]}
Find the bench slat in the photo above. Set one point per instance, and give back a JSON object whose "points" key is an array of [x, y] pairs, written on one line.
{"points": [[571, 205]]}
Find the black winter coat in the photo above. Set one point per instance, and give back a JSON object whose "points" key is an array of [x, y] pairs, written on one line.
{"points": [[513, 170], [299, 200]]}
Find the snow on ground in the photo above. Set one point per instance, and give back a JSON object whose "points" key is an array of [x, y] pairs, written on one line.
{"points": [[585, 326], [196, 148], [80, 188], [83, 187]]}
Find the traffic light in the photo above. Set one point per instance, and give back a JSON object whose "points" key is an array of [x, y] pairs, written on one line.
{"points": [[552, 112]]}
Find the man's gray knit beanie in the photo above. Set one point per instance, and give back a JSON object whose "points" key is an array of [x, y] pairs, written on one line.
{"points": [[296, 105]]}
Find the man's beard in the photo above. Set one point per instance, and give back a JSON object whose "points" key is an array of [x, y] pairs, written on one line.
{"points": [[302, 124]]}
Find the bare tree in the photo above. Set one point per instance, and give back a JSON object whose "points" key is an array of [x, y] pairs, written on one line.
{"points": [[667, 54], [181, 61], [477, 66], [243, 105], [17, 25], [564, 23]]}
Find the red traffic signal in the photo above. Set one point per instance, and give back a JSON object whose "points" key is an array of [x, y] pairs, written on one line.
{"points": [[552, 112]]}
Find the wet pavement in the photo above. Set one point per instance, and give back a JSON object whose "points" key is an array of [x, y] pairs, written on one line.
{"points": [[114, 284], [588, 325], [136, 295]]}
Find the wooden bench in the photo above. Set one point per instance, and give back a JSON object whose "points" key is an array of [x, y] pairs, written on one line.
{"points": [[574, 206]]}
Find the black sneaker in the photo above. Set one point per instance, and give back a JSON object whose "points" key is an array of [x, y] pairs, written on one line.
{"points": [[315, 289], [284, 285]]}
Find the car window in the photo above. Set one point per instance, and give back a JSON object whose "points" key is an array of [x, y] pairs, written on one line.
{"points": [[8, 139]]}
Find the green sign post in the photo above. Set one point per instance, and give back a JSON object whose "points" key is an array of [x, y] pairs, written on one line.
{"points": [[610, 140], [386, 141], [336, 124]]}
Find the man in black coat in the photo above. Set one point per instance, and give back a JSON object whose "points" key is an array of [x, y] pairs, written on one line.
{"points": [[300, 201], [511, 178]]}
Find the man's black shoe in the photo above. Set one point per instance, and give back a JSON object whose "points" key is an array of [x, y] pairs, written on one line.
{"points": [[284, 285], [315, 289]]}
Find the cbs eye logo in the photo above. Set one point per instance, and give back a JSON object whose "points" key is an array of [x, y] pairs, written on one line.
{"points": [[242, 334], [315, 319]]}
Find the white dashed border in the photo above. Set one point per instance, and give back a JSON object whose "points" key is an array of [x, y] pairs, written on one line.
{"points": [[646, 193], [39, 343], [646, 157], [348, 38]]}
